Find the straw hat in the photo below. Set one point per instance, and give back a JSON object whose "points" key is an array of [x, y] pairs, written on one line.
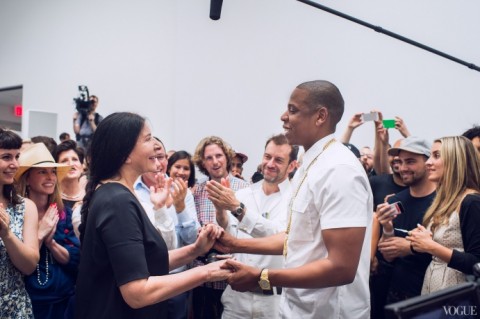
{"points": [[38, 155]]}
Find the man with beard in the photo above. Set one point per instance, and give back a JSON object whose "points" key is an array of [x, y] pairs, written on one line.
{"points": [[366, 158], [264, 213], [408, 266], [383, 186]]}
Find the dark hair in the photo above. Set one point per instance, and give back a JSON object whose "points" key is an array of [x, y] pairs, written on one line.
{"points": [[281, 139], [472, 133], [112, 143], [179, 156], [49, 142], [67, 146], [64, 136], [325, 94], [9, 140]]}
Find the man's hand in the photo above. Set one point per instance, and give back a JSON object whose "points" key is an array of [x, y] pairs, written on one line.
{"points": [[160, 192], [221, 195], [394, 247], [225, 243], [244, 277], [385, 215], [401, 127]]}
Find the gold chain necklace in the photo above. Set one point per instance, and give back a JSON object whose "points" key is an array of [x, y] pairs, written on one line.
{"points": [[290, 206]]}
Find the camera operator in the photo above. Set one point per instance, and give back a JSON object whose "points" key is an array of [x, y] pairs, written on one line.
{"points": [[85, 123]]}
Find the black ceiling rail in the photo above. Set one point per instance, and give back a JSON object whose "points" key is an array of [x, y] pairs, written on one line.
{"points": [[391, 34]]}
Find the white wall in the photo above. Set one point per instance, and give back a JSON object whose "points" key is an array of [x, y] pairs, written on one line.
{"points": [[194, 77]]}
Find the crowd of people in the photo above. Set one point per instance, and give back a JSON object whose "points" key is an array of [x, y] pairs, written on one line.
{"points": [[98, 229]]}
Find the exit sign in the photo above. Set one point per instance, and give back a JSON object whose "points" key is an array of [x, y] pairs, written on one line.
{"points": [[18, 110]]}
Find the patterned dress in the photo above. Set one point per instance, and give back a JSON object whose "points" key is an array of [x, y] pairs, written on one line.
{"points": [[439, 275], [14, 300]]}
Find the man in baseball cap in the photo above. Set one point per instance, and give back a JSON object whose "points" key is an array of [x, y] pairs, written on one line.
{"points": [[237, 164], [407, 274], [412, 144]]}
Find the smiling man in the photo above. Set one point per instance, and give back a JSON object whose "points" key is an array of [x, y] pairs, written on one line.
{"points": [[213, 157], [408, 269], [326, 245], [263, 212]]}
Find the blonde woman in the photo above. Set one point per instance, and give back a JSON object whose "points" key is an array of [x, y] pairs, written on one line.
{"points": [[451, 233]]}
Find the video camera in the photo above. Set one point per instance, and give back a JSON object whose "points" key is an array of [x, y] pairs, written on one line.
{"points": [[83, 104]]}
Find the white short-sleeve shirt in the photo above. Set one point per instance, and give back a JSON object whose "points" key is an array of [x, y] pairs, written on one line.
{"points": [[335, 194]]}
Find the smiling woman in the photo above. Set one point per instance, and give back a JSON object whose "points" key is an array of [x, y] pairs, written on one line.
{"points": [[125, 262], [52, 284], [18, 234]]}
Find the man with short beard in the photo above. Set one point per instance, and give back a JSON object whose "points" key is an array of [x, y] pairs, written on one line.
{"points": [[264, 213], [409, 267]]}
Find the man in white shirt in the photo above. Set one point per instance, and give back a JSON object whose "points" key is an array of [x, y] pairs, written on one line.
{"points": [[257, 211], [326, 246], [159, 216]]}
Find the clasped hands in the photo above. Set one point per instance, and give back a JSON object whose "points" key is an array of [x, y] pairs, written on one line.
{"points": [[239, 276]]}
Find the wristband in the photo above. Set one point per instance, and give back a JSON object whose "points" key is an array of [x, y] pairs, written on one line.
{"points": [[390, 233]]}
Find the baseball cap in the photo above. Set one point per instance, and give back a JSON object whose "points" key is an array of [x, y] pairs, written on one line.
{"points": [[242, 156], [352, 148], [412, 144]]}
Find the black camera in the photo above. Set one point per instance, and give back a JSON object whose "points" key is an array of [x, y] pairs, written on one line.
{"points": [[83, 104], [210, 256]]}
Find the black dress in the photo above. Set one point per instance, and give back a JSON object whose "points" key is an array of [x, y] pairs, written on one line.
{"points": [[120, 245]]}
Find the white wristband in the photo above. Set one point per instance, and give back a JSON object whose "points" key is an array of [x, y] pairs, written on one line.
{"points": [[390, 233]]}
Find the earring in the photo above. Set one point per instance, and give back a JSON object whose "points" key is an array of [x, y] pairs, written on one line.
{"points": [[26, 191]]}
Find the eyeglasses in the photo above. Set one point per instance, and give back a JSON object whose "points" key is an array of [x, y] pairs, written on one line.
{"points": [[237, 165]]}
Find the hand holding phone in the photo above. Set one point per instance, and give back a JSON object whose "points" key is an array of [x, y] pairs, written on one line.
{"points": [[389, 123], [396, 209], [372, 116]]}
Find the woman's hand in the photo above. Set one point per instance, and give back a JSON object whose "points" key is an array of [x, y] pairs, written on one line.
{"points": [[421, 239], [215, 272], [178, 194], [160, 192], [4, 222], [207, 236], [48, 223]]}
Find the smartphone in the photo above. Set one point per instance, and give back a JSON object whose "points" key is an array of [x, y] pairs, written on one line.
{"points": [[372, 116], [397, 208], [389, 123]]}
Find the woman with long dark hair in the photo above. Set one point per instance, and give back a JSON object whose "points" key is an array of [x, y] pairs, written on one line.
{"points": [[125, 262], [18, 234], [184, 214]]}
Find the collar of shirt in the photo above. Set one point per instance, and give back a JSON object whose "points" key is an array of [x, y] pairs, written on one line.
{"points": [[316, 149]]}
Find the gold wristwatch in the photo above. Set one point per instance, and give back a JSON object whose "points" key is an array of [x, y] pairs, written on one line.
{"points": [[264, 283]]}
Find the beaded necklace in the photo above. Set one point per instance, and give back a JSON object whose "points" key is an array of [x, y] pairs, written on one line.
{"points": [[46, 270]]}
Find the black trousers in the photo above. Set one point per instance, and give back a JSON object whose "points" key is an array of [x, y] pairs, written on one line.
{"points": [[206, 303]]}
